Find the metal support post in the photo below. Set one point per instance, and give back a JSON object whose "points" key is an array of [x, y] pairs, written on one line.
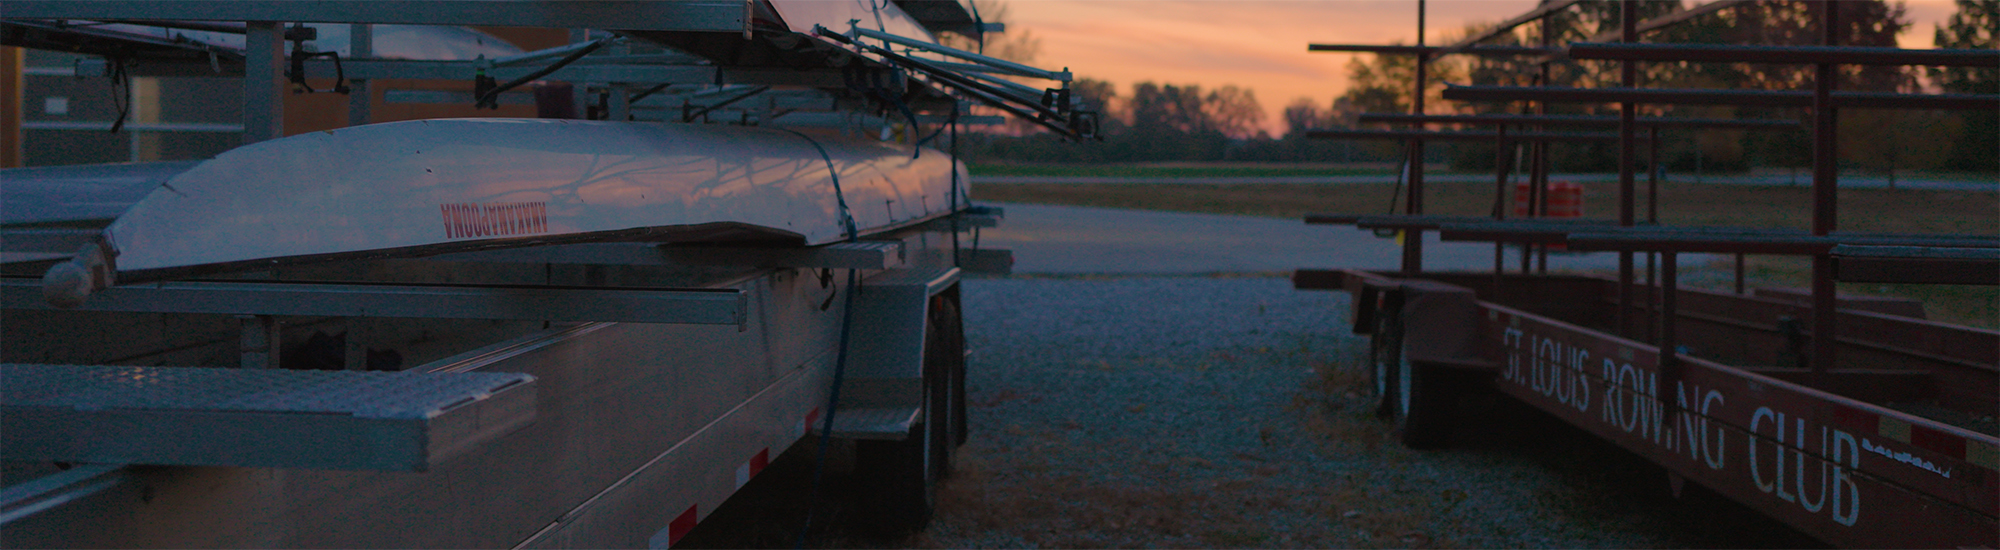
{"points": [[1671, 371], [359, 333], [13, 64], [263, 60], [620, 107], [1826, 161], [1739, 273], [1413, 239], [1538, 181], [1500, 172], [360, 99], [1627, 111], [259, 341], [1652, 197], [1652, 295], [579, 91], [1653, 175]]}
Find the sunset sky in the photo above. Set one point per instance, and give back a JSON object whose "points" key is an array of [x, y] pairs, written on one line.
{"points": [[1261, 44]]}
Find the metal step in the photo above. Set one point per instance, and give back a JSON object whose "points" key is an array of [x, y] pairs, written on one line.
{"points": [[876, 423], [341, 420]]}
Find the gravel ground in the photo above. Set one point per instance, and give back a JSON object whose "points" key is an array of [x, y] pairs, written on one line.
{"points": [[1225, 412]]}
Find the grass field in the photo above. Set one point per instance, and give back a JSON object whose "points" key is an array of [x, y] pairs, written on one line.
{"points": [[1862, 210]]}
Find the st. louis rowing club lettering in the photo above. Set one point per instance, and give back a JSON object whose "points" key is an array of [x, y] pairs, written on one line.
{"points": [[1800, 462], [494, 219]]}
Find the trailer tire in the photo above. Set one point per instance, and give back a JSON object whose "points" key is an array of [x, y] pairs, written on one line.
{"points": [[1424, 410], [1418, 398], [947, 349], [1385, 355], [952, 325]]}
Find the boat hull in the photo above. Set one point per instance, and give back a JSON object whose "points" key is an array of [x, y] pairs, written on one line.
{"points": [[434, 186]]}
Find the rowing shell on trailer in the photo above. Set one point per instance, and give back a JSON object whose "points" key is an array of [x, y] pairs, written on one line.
{"points": [[429, 187]]}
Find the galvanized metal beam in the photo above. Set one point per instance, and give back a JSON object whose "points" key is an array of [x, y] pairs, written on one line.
{"points": [[846, 255], [1671, 19], [1910, 264], [1684, 96], [1397, 49], [465, 70], [1841, 55], [1580, 120], [1438, 222], [997, 63], [631, 305], [656, 15], [1508, 25], [849, 255], [47, 240], [1460, 135], [1757, 241]]}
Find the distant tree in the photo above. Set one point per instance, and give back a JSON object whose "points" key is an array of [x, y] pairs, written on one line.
{"points": [[1234, 111], [1169, 108], [1797, 23], [1097, 95], [1386, 83], [1976, 25], [1304, 114]]}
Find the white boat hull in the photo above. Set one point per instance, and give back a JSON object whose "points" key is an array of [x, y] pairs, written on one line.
{"points": [[432, 186]]}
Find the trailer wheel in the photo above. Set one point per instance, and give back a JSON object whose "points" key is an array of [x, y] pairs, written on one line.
{"points": [[1427, 396], [1385, 355], [944, 365], [951, 325], [1418, 398]]}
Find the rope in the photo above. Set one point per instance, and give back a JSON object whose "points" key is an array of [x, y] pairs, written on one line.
{"points": [[840, 356]]}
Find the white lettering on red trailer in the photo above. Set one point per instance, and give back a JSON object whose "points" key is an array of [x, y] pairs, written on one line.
{"points": [[1781, 446], [1835, 485], [1906, 458], [1694, 427], [1555, 369]]}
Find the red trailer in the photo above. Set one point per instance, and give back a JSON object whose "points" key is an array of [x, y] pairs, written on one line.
{"points": [[1894, 447]]}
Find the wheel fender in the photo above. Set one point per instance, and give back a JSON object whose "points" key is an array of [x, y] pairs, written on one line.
{"points": [[1441, 325]]}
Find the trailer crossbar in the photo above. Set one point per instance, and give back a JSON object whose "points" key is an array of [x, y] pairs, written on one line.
{"points": [[544, 303]]}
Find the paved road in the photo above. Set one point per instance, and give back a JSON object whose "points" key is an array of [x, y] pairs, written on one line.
{"points": [[1076, 240]]}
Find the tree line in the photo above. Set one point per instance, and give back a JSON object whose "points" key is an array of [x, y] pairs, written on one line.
{"points": [[1184, 122]]}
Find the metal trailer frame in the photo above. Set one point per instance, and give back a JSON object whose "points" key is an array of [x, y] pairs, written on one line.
{"points": [[616, 431], [1822, 455], [587, 394], [1542, 338]]}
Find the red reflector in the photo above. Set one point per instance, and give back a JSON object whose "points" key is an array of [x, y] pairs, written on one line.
{"points": [[680, 527]]}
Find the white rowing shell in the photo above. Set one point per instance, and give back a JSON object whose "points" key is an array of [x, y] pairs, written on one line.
{"points": [[433, 186]]}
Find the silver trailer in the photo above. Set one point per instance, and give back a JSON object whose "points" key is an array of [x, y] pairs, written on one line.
{"points": [[494, 332]]}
